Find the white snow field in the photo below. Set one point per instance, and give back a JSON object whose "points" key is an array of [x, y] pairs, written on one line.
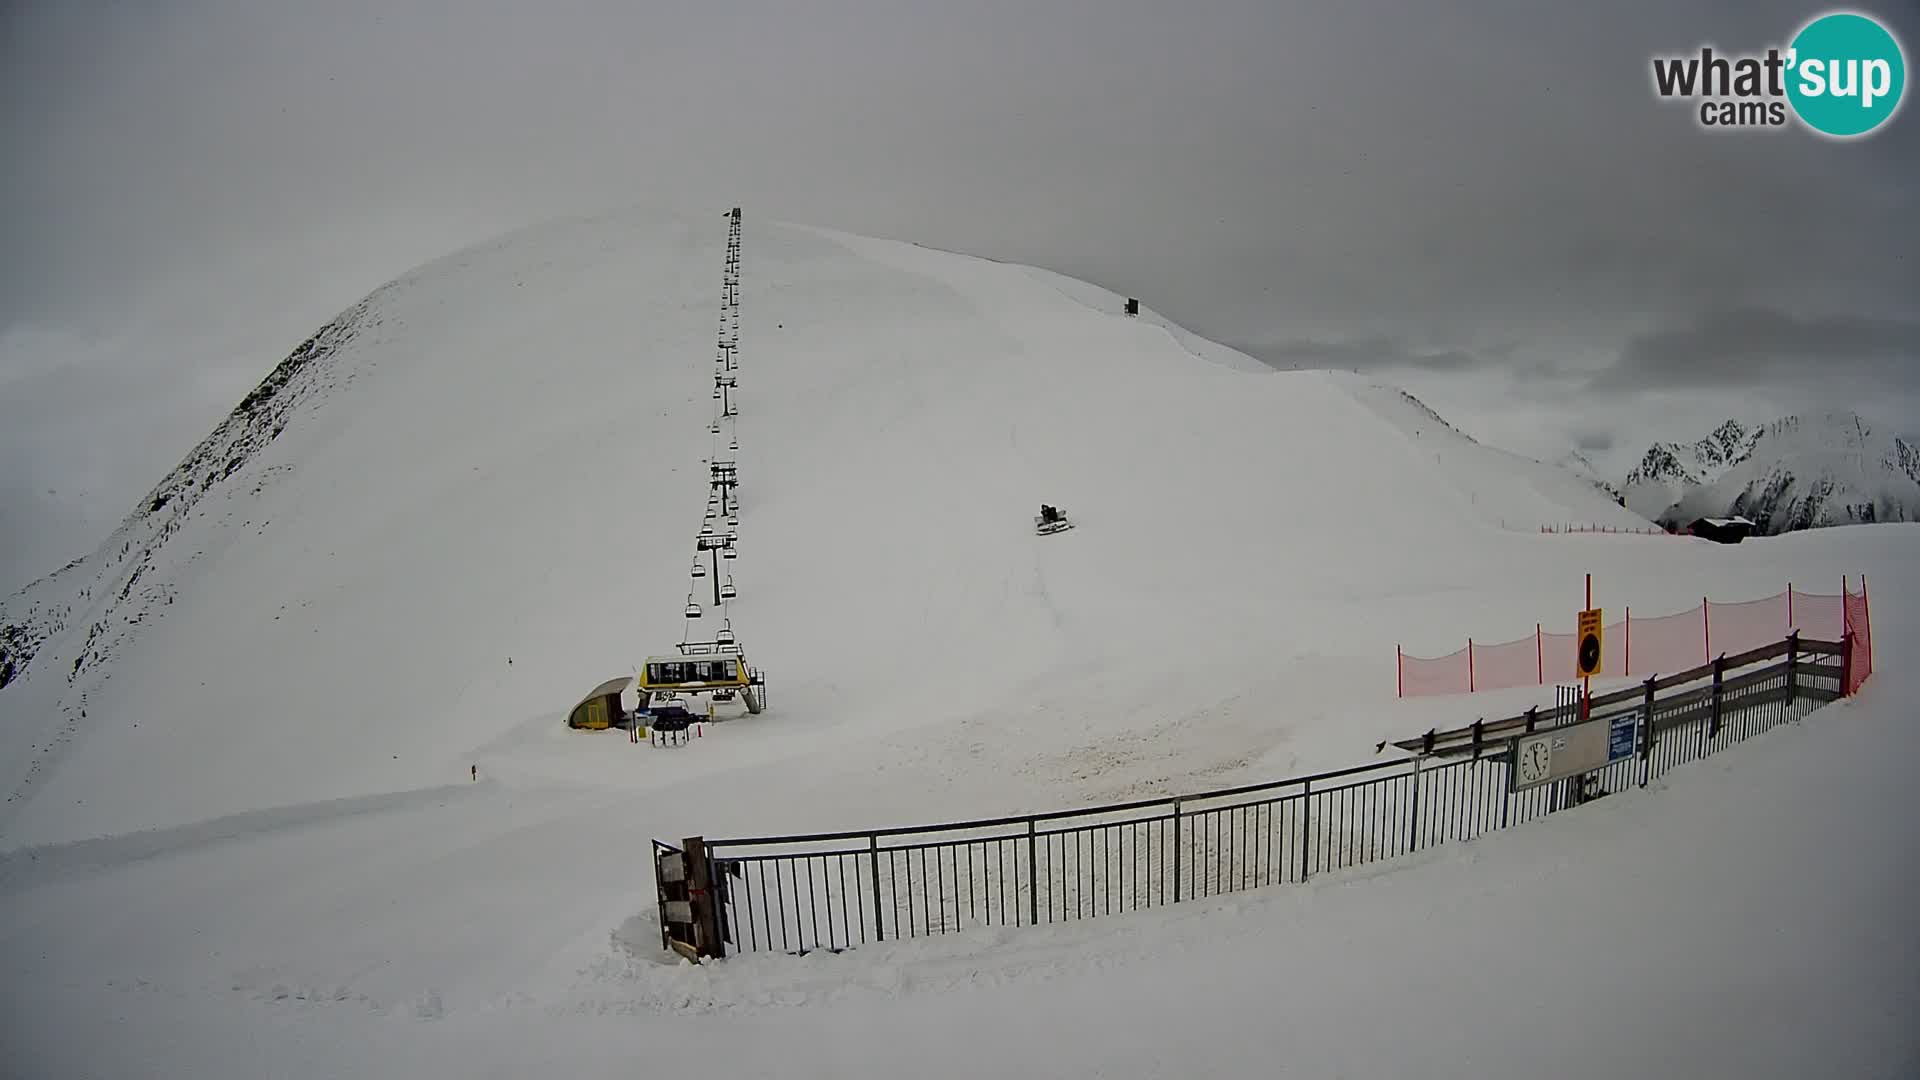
{"points": [[241, 838]]}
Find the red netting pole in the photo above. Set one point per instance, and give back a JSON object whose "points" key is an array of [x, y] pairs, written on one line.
{"points": [[1706, 625], [1469, 665], [1539, 660], [1789, 606], [1629, 670], [1846, 659], [1866, 614], [1399, 673]]}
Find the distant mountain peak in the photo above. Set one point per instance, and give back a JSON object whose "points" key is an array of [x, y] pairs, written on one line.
{"points": [[1796, 472]]}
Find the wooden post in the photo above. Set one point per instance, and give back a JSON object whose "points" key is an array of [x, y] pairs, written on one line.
{"points": [[1713, 719], [1629, 660], [1539, 658], [1646, 737], [1469, 665], [1399, 672], [1793, 666], [873, 861], [706, 914]]}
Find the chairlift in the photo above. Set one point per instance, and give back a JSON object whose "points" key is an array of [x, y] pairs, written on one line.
{"points": [[699, 568], [724, 636], [693, 609], [734, 446], [733, 522], [706, 529], [727, 591], [729, 553], [716, 393], [713, 428]]}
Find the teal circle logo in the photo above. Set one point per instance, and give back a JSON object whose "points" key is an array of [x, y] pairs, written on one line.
{"points": [[1846, 74]]}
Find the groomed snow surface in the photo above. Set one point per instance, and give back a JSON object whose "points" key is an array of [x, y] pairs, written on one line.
{"points": [[259, 852]]}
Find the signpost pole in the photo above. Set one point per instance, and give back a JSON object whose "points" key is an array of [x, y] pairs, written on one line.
{"points": [[1586, 681]]}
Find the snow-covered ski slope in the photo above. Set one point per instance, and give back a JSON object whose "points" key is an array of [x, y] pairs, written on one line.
{"points": [[503, 458], [499, 455]]}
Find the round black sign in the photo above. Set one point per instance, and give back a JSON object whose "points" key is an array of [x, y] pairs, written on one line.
{"points": [[1590, 653]]}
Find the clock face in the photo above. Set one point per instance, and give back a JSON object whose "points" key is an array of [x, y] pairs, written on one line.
{"points": [[1533, 761]]}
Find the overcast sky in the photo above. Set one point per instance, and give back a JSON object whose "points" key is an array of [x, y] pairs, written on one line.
{"points": [[1481, 199]]}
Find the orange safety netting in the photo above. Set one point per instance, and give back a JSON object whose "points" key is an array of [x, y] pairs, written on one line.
{"points": [[1643, 647], [1818, 615], [1670, 643], [1510, 663], [1859, 661], [1441, 675], [1747, 624]]}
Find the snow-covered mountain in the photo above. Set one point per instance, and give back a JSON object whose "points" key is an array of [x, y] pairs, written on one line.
{"points": [[500, 456], [1810, 472], [1794, 473], [1580, 465], [286, 762], [1669, 470]]}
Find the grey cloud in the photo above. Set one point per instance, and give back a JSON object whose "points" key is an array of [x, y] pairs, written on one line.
{"points": [[1451, 189], [1361, 355], [1593, 440], [1749, 345]]}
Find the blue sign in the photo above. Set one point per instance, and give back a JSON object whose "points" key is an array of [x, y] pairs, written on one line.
{"points": [[1620, 731]]}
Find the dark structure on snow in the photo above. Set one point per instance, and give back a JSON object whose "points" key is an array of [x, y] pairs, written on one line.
{"points": [[1727, 530]]}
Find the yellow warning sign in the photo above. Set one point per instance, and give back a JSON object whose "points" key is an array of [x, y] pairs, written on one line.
{"points": [[1591, 639]]}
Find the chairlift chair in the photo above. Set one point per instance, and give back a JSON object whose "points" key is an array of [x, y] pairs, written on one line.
{"points": [[706, 529], [729, 553], [727, 591], [734, 446], [699, 568], [693, 609], [724, 636]]}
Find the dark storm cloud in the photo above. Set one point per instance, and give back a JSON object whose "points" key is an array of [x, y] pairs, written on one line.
{"points": [[1235, 163], [1732, 348], [1378, 353], [1488, 185]]}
